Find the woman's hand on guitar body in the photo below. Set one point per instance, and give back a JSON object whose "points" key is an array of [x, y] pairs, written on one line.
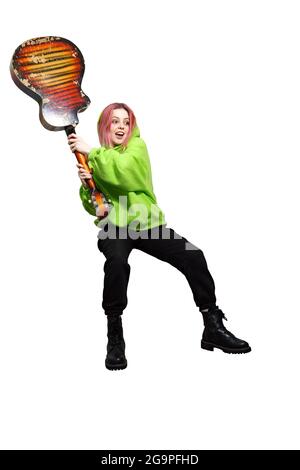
{"points": [[83, 174], [77, 144]]}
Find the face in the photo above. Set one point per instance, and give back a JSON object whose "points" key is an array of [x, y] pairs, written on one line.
{"points": [[119, 126]]}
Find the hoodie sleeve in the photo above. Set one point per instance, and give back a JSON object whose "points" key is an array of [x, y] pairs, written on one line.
{"points": [[126, 171], [85, 196]]}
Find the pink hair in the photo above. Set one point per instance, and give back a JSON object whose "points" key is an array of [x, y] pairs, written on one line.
{"points": [[104, 123]]}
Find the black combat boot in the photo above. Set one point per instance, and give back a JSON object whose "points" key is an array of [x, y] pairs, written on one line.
{"points": [[115, 358], [215, 335]]}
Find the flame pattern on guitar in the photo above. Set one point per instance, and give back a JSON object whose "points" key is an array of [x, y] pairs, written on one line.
{"points": [[51, 69]]}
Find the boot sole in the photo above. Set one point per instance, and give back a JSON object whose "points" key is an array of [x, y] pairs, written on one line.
{"points": [[211, 346], [116, 367]]}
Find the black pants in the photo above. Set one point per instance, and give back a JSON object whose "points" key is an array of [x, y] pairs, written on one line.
{"points": [[162, 243]]}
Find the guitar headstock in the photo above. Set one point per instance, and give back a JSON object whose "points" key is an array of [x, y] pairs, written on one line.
{"points": [[50, 70]]}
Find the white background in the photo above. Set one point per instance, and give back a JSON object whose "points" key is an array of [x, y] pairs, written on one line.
{"points": [[215, 86]]}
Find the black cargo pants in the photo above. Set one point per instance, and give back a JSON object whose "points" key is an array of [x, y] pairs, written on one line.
{"points": [[161, 242]]}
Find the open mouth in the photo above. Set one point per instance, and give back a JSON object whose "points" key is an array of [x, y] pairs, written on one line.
{"points": [[120, 134]]}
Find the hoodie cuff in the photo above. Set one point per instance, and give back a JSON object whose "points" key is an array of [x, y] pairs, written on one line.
{"points": [[85, 192]]}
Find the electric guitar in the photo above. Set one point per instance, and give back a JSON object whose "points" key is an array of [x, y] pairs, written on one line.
{"points": [[50, 70]]}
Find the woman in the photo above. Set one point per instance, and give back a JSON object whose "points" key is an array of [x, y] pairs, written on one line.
{"points": [[121, 170]]}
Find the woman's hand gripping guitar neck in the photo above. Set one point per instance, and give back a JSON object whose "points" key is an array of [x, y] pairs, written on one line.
{"points": [[81, 149]]}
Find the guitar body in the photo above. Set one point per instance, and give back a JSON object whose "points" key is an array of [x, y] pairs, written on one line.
{"points": [[50, 70]]}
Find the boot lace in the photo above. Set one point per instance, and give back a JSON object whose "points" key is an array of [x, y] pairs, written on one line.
{"points": [[221, 313]]}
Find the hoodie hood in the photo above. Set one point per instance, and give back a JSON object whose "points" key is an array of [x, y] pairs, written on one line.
{"points": [[135, 133]]}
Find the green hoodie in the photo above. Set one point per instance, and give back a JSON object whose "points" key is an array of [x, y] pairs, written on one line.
{"points": [[124, 176]]}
